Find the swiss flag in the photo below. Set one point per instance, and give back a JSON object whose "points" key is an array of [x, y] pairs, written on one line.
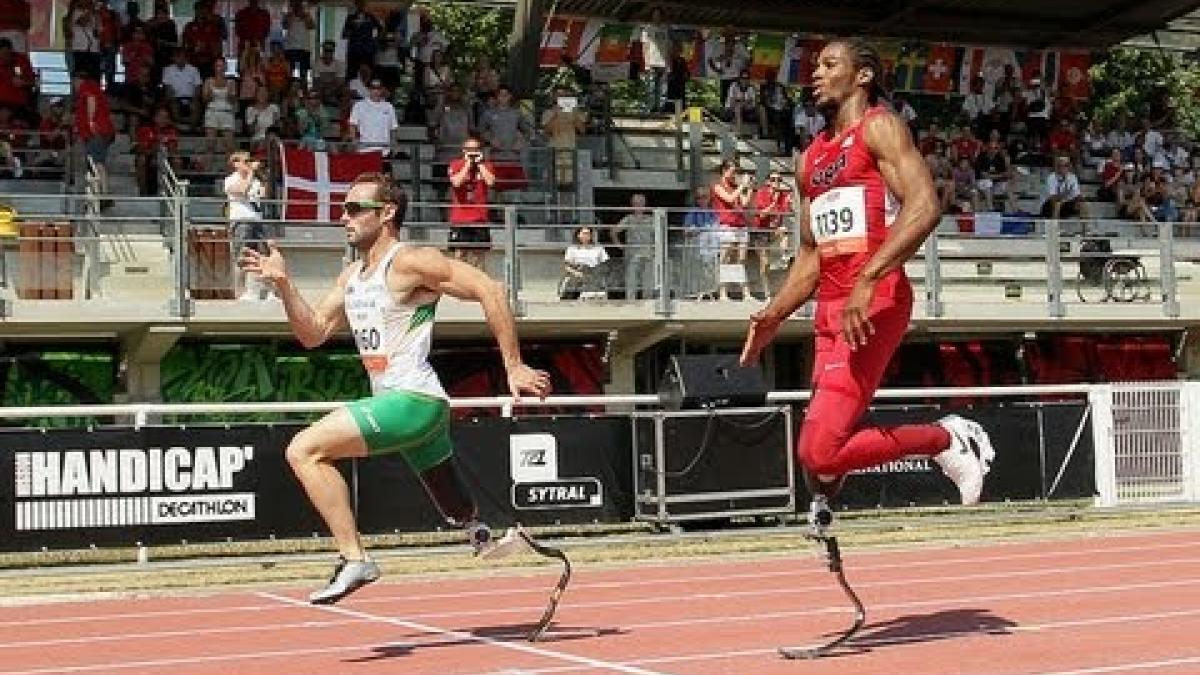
{"points": [[940, 66], [562, 36], [1073, 74], [315, 183]]}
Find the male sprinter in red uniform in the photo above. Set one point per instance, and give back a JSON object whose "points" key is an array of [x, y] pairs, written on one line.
{"points": [[867, 203]]}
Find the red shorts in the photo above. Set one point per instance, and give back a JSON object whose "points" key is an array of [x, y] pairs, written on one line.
{"points": [[859, 372]]}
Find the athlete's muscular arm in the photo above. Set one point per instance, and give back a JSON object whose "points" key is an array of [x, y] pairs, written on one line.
{"points": [[908, 177], [799, 286], [455, 278], [312, 326]]}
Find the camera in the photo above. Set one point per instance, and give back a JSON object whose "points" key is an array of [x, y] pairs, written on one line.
{"points": [[474, 156]]}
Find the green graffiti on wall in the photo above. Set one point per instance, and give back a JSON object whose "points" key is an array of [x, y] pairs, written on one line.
{"points": [[65, 377], [195, 372]]}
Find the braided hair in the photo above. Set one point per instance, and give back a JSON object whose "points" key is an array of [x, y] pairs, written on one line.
{"points": [[865, 55]]}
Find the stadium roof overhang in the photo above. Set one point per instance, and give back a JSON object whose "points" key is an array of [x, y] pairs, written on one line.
{"points": [[1081, 24]]}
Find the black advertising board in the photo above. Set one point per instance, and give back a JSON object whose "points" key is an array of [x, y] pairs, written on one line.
{"points": [[162, 485]]}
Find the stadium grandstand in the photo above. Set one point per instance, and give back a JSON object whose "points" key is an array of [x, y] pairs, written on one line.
{"points": [[153, 389]]}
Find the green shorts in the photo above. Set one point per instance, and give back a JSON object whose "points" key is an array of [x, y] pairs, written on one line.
{"points": [[416, 425]]}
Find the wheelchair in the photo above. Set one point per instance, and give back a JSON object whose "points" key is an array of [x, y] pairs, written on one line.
{"points": [[1108, 277]]}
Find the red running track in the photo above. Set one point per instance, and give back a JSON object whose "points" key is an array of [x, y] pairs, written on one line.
{"points": [[1084, 606]]}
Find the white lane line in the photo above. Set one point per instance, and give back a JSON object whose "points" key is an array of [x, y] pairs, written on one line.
{"points": [[187, 632], [468, 637], [193, 660], [867, 642], [493, 591]]}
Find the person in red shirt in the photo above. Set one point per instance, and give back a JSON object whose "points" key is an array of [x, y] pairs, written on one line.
{"points": [[137, 54], [16, 80], [53, 132], [471, 179], [967, 146], [14, 136], [160, 134], [252, 24], [1064, 141], [868, 204], [93, 123], [15, 21], [204, 38], [278, 72], [772, 203], [730, 200], [109, 34]]}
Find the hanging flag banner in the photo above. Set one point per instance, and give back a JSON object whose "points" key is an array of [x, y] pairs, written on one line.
{"points": [[767, 56], [1073, 74], [563, 37], [911, 68], [316, 183], [941, 64]]}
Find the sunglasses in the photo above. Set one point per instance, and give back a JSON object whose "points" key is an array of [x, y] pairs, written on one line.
{"points": [[352, 209]]}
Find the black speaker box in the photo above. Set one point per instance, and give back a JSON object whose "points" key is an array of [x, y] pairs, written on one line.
{"points": [[711, 381]]}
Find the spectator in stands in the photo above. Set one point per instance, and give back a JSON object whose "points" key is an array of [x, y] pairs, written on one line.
{"points": [[55, 131], [94, 126], [1120, 138], [561, 123], [772, 205], [679, 72], [137, 55], [1004, 100], [1064, 141], [108, 34], [1140, 161], [427, 40], [455, 124], [245, 190], [262, 120], [807, 121], [582, 266], [154, 137], [163, 34], [1130, 204], [361, 31], [1094, 144], [82, 27], [966, 190], [372, 121], [1063, 197], [252, 76], [327, 75], [994, 171], [131, 20], [471, 180], [360, 86], [775, 111], [635, 234], [15, 20], [701, 248], [741, 101], [138, 100], [730, 198], [13, 141], [395, 50], [1038, 104], [730, 64], [298, 27], [312, 121], [507, 132], [278, 72], [1190, 215], [1156, 193], [183, 82], [1110, 176], [252, 25], [204, 38], [220, 96], [943, 180], [484, 83], [977, 106], [17, 78], [907, 113], [967, 146], [656, 46], [436, 80], [1177, 154], [932, 142], [1152, 140]]}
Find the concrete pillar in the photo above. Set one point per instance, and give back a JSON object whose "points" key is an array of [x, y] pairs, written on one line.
{"points": [[142, 352], [623, 348]]}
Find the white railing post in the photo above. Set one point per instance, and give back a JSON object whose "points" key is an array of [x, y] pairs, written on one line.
{"points": [[1189, 438], [1100, 400]]}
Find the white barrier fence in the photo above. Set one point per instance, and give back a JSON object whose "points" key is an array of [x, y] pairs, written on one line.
{"points": [[1145, 434]]}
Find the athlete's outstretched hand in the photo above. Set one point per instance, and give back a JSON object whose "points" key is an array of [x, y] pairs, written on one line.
{"points": [[523, 379], [856, 322], [763, 326], [270, 267]]}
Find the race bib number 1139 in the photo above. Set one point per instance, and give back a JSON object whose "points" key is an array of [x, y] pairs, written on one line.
{"points": [[838, 221]]}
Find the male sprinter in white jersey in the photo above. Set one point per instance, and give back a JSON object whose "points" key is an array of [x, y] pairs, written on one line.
{"points": [[867, 204], [389, 297]]}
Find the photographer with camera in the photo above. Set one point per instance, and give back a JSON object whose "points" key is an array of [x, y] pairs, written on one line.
{"points": [[731, 196], [471, 180]]}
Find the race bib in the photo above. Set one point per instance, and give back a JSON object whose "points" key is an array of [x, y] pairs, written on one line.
{"points": [[838, 221], [366, 325]]}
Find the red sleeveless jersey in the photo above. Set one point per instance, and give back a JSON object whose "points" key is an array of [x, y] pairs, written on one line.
{"points": [[850, 210]]}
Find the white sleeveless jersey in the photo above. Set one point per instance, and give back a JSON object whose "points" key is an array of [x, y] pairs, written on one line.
{"points": [[392, 337]]}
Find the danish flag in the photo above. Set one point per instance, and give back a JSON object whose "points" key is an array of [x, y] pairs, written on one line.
{"points": [[316, 183]]}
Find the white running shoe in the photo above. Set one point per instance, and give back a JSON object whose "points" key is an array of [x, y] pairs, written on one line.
{"points": [[348, 576], [969, 457], [490, 548]]}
